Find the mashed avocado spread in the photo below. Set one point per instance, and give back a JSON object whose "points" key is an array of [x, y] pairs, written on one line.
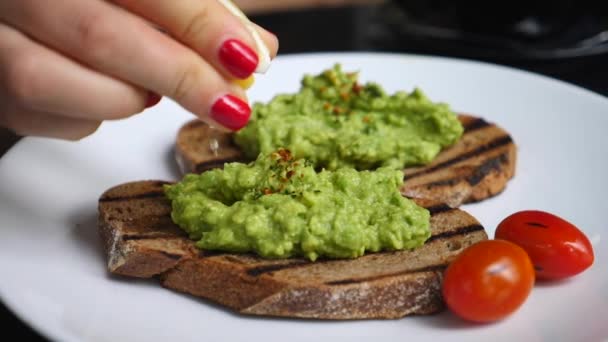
{"points": [[334, 121], [279, 207]]}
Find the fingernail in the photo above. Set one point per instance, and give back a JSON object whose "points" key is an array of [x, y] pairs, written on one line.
{"points": [[238, 58], [153, 99], [231, 112]]}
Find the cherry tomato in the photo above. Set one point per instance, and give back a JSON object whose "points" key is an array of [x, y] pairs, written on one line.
{"points": [[557, 248], [488, 281]]}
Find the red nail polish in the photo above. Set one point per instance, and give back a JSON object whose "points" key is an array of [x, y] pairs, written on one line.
{"points": [[153, 99], [231, 112], [238, 58]]}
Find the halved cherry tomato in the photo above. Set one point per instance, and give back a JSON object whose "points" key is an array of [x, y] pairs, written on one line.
{"points": [[557, 248], [488, 281]]}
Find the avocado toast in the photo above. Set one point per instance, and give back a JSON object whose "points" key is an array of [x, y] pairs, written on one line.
{"points": [[142, 241], [476, 167]]}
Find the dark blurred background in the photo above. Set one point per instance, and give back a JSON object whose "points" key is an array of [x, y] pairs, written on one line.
{"points": [[564, 39]]}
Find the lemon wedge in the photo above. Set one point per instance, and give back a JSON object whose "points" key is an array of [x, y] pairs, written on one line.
{"points": [[245, 83]]}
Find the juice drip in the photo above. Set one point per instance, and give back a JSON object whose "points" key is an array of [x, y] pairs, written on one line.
{"points": [[214, 143]]}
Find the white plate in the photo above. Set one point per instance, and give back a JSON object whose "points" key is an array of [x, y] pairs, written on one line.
{"points": [[53, 269]]}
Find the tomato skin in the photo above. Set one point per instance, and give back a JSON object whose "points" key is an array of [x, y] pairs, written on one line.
{"points": [[557, 248], [488, 281]]}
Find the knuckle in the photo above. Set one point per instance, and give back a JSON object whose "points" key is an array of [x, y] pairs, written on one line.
{"points": [[96, 36], [22, 77], [196, 25], [185, 79]]}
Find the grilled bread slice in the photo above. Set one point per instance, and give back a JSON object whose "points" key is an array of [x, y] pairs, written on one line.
{"points": [[478, 166], [141, 241]]}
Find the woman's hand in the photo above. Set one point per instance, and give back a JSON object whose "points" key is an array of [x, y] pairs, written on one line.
{"points": [[65, 66]]}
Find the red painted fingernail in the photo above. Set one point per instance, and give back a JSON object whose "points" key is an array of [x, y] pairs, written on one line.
{"points": [[231, 112], [153, 99], [238, 58]]}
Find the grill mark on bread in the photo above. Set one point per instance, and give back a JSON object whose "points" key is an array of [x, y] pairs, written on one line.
{"points": [[442, 182], [347, 281], [475, 177], [492, 164], [148, 236], [259, 270], [475, 124], [456, 231], [438, 209], [148, 194], [205, 253], [491, 145]]}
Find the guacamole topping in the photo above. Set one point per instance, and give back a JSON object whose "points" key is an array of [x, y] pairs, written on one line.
{"points": [[278, 207], [334, 121]]}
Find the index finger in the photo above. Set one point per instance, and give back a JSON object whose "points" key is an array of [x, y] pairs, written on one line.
{"points": [[110, 39], [213, 31]]}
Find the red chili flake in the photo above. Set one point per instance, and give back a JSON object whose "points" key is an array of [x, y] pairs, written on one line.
{"points": [[357, 88], [285, 154], [290, 173], [344, 96], [326, 106], [267, 191], [338, 110]]}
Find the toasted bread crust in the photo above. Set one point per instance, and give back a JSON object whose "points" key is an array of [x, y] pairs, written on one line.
{"points": [[141, 241], [193, 153], [477, 167]]}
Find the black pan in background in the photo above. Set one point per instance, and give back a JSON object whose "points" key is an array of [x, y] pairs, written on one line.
{"points": [[536, 30]]}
